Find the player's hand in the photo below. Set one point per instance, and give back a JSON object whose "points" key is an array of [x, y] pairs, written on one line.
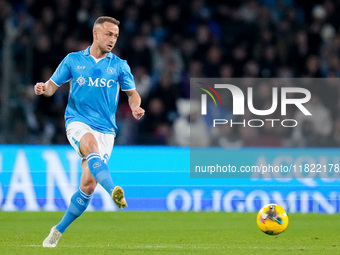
{"points": [[39, 88], [138, 112]]}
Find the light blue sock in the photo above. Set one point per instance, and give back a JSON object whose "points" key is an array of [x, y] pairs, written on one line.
{"points": [[79, 202], [100, 171]]}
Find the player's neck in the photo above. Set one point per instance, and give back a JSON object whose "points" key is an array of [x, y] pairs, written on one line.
{"points": [[96, 52]]}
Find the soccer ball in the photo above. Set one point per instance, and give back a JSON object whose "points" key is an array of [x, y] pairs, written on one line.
{"points": [[272, 219]]}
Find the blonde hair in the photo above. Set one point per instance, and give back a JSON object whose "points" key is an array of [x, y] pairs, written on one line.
{"points": [[103, 19]]}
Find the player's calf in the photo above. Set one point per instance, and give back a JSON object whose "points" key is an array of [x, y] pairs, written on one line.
{"points": [[100, 171]]}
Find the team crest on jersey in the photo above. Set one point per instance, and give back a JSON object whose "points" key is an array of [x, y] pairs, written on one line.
{"points": [[81, 80], [110, 70]]}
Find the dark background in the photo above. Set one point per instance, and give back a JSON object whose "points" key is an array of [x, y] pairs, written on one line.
{"points": [[166, 43]]}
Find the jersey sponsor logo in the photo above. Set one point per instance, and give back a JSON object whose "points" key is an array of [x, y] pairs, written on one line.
{"points": [[81, 80], [110, 70], [101, 82], [81, 67]]}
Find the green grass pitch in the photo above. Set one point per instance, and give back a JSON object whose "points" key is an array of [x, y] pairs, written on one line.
{"points": [[168, 233]]}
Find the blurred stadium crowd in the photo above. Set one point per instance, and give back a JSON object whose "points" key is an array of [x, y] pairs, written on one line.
{"points": [[166, 43]]}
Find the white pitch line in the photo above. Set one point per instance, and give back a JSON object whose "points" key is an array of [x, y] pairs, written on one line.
{"points": [[180, 247]]}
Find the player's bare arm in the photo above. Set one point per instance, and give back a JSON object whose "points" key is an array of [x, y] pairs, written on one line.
{"points": [[134, 103], [47, 89]]}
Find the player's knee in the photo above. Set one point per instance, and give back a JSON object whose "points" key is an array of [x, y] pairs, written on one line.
{"points": [[92, 146], [88, 146]]}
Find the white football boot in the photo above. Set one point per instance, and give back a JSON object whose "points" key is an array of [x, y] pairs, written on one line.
{"points": [[52, 239]]}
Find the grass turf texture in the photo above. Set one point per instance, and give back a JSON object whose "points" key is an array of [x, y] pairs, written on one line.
{"points": [[167, 233]]}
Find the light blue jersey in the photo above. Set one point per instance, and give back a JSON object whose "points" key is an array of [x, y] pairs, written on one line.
{"points": [[94, 88]]}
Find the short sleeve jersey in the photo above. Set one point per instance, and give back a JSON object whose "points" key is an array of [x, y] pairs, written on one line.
{"points": [[94, 88]]}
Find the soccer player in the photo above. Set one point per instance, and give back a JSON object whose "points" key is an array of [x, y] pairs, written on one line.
{"points": [[95, 76]]}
